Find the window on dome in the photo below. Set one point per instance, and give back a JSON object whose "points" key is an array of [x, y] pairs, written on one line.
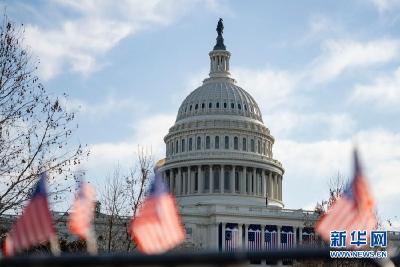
{"points": [[202, 105], [190, 144], [196, 182], [190, 108], [196, 107], [232, 105], [216, 144], [244, 144], [245, 107], [237, 182], [252, 148], [206, 180], [236, 143], [172, 147], [216, 180], [208, 141], [217, 104], [259, 147], [185, 109], [198, 145], [226, 142], [210, 105], [183, 145], [239, 106], [264, 148], [227, 180], [225, 105], [176, 147]]}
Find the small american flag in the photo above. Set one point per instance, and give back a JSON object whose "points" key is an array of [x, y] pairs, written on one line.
{"points": [[271, 239], [231, 238], [35, 226], [157, 227], [81, 216], [354, 210], [254, 239]]}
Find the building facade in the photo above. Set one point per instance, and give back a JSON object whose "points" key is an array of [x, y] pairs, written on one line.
{"points": [[219, 164]]}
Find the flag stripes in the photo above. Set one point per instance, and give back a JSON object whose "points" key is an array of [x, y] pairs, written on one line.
{"points": [[231, 239], [254, 239], [271, 239]]}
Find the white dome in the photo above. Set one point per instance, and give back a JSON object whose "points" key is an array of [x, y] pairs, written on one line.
{"points": [[219, 96]]}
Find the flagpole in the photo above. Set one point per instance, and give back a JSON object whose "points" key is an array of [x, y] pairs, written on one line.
{"points": [[54, 246]]}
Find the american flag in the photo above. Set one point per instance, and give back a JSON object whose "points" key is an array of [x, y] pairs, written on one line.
{"points": [[287, 240], [354, 210], [271, 239], [157, 227], [34, 226], [254, 242], [231, 238], [81, 216], [309, 239]]}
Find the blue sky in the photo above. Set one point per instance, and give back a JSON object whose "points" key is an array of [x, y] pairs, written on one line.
{"points": [[325, 74]]}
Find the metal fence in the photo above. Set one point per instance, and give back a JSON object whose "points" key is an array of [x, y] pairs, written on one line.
{"points": [[188, 258]]}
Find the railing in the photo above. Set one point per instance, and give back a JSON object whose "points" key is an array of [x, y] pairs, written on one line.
{"points": [[185, 258]]}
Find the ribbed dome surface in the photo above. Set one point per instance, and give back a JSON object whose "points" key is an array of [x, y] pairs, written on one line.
{"points": [[219, 96]]}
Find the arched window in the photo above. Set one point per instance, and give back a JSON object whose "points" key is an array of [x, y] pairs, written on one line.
{"points": [[216, 144], [232, 105], [225, 105], [227, 180], [176, 146], [245, 107], [217, 104], [196, 107], [239, 106], [226, 142], [259, 147], [202, 105], [216, 173], [244, 144], [190, 144], [210, 105], [264, 148], [198, 145], [208, 142], [183, 145], [172, 147], [252, 146], [190, 108], [206, 180], [196, 182], [237, 182], [236, 143]]}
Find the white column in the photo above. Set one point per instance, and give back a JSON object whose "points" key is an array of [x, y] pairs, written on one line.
{"points": [[279, 236], [222, 179], [246, 237], [199, 180], [184, 181], [242, 181], [248, 183], [262, 237], [178, 183], [211, 178], [233, 177], [276, 186], [300, 235], [270, 186], [190, 181], [240, 233], [295, 236], [254, 182], [263, 183], [280, 188], [223, 236]]}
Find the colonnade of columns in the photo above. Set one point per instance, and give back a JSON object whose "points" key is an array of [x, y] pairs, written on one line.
{"points": [[295, 236], [202, 179]]}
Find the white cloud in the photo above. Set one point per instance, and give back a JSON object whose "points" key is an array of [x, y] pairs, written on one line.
{"points": [[385, 5], [289, 124], [269, 87], [75, 43], [148, 133], [383, 92], [311, 164], [339, 56]]}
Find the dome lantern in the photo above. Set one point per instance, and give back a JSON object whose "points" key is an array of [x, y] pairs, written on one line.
{"points": [[219, 56]]}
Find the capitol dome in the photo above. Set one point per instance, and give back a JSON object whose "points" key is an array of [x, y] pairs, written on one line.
{"points": [[219, 151]]}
